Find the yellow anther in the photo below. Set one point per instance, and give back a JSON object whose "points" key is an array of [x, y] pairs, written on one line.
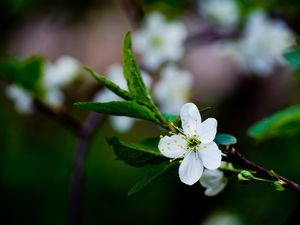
{"points": [[161, 136], [170, 132], [171, 160]]}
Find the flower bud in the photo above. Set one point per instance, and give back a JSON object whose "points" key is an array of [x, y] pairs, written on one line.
{"points": [[279, 185], [245, 177]]}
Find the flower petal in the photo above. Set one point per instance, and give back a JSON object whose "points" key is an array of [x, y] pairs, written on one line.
{"points": [[190, 118], [211, 178], [172, 147], [122, 123], [207, 130], [191, 168], [210, 155], [214, 181]]}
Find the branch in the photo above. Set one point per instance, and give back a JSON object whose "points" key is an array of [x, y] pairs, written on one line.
{"points": [[134, 12], [291, 220], [60, 116], [237, 158], [84, 135]]}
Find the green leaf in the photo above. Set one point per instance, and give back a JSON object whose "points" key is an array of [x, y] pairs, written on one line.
{"points": [[26, 73], [171, 117], [152, 175], [120, 108], [110, 85], [225, 139], [138, 155], [133, 75], [293, 57], [282, 123]]}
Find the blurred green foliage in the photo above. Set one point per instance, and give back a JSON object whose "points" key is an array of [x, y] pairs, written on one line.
{"points": [[36, 157]]}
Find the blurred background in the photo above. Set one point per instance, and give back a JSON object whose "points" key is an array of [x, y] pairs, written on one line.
{"points": [[231, 54]]}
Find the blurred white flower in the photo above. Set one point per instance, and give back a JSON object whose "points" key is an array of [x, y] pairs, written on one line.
{"points": [[57, 76], [264, 41], [194, 144], [159, 40], [115, 74], [223, 219], [173, 89], [54, 97], [62, 72], [21, 98], [221, 12], [214, 181]]}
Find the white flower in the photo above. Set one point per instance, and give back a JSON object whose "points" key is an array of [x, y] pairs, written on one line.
{"points": [[57, 76], [61, 73], [54, 97], [195, 144], [223, 219], [264, 42], [115, 74], [159, 41], [21, 98], [214, 181], [222, 12], [173, 89]]}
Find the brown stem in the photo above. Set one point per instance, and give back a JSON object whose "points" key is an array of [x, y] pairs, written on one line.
{"points": [[134, 12], [84, 135], [293, 219], [237, 158], [60, 116]]}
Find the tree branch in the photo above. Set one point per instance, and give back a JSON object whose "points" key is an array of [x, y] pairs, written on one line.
{"points": [[237, 158], [293, 219], [60, 116], [84, 135]]}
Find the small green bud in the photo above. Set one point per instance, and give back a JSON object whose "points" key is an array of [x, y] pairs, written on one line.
{"points": [[272, 173], [245, 177], [279, 185]]}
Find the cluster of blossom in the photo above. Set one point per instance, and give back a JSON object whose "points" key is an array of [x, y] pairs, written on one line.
{"points": [[195, 144], [56, 76], [158, 42], [115, 74], [263, 40], [164, 91]]}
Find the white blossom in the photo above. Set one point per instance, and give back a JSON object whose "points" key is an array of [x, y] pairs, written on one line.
{"points": [[223, 219], [194, 144], [173, 89], [115, 74], [57, 76], [61, 73], [159, 40], [21, 98], [54, 97], [222, 12], [263, 43], [214, 181]]}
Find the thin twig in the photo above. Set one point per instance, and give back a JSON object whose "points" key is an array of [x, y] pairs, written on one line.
{"points": [[85, 133], [60, 116], [293, 219], [134, 12], [237, 158]]}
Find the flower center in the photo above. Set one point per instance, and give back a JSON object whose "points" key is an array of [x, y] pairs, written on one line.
{"points": [[193, 143], [156, 41]]}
